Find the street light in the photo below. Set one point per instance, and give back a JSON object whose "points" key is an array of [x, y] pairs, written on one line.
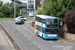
{"points": [[34, 6], [14, 26]]}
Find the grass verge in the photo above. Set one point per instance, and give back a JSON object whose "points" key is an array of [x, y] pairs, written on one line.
{"points": [[29, 17], [5, 19]]}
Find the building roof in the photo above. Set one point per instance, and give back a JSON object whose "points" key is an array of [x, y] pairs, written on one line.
{"points": [[46, 17]]}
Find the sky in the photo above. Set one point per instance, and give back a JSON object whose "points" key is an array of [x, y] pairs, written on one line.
{"points": [[5, 1]]}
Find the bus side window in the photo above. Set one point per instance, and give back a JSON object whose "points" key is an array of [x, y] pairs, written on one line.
{"points": [[39, 19], [38, 28], [36, 18], [43, 21], [43, 30]]}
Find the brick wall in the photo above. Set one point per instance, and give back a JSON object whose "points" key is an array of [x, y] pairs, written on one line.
{"points": [[68, 36]]}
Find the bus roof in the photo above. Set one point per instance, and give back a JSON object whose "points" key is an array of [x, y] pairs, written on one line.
{"points": [[46, 17]]}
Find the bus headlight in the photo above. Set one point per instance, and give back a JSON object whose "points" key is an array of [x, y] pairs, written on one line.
{"points": [[58, 29]]}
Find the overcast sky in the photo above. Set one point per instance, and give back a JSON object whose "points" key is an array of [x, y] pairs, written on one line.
{"points": [[4, 1]]}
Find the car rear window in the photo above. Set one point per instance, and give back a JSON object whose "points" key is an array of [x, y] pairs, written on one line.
{"points": [[22, 17]]}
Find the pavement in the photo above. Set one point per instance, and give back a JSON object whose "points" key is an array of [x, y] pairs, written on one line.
{"points": [[4, 45]]}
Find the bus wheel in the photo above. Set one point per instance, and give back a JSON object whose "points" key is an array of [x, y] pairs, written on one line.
{"points": [[37, 33], [42, 36]]}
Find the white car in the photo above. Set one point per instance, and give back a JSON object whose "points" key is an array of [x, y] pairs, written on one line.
{"points": [[21, 17], [20, 20]]}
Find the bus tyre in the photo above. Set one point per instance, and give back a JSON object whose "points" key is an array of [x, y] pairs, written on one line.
{"points": [[42, 36], [37, 33]]}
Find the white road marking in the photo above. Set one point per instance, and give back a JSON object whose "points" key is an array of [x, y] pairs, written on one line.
{"points": [[22, 32], [29, 39], [19, 30], [29, 31], [25, 35], [39, 47], [34, 43]]}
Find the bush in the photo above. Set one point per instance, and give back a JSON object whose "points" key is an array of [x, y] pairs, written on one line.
{"points": [[69, 20], [60, 19], [1, 15], [19, 14]]}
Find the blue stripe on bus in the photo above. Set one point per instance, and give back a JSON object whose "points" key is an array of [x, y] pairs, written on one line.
{"points": [[47, 37], [39, 33], [52, 18]]}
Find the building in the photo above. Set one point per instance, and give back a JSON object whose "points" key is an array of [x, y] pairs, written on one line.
{"points": [[23, 1], [30, 4], [40, 2]]}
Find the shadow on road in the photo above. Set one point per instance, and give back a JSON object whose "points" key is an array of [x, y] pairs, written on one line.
{"points": [[51, 39], [19, 24]]}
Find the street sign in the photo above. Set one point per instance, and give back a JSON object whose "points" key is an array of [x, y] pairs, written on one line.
{"points": [[61, 23], [24, 11]]}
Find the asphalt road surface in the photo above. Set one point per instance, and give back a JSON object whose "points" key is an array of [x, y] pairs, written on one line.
{"points": [[28, 40]]}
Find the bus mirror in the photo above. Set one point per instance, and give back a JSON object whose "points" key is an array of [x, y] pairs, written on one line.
{"points": [[61, 23]]}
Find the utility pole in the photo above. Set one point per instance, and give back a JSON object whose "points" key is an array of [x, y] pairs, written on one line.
{"points": [[34, 7], [14, 27], [30, 5]]}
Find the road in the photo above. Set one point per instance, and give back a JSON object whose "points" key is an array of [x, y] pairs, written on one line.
{"points": [[28, 40]]}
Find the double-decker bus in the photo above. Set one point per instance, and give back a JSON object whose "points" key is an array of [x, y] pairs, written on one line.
{"points": [[46, 26]]}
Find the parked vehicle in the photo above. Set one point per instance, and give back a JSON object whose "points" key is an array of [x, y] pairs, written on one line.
{"points": [[46, 27]]}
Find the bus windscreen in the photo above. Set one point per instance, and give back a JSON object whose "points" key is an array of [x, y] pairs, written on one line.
{"points": [[51, 21]]}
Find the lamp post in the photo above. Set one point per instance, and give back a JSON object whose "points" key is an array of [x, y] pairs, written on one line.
{"points": [[14, 27], [34, 6]]}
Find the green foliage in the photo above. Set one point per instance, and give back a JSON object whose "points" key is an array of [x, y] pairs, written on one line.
{"points": [[60, 19], [1, 3], [38, 10], [19, 14], [7, 10], [1, 15], [4, 19], [56, 8], [29, 17]]}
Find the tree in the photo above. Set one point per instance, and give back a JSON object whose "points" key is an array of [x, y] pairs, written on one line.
{"points": [[57, 8], [6, 10], [70, 21]]}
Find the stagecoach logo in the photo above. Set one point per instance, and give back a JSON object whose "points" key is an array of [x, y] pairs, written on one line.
{"points": [[38, 23]]}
